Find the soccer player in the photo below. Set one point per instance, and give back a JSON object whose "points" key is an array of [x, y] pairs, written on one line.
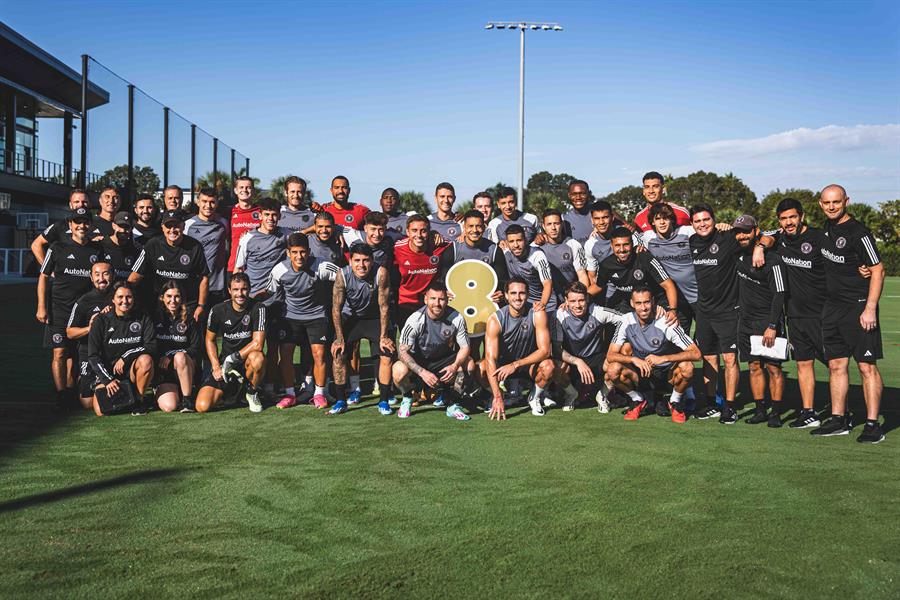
{"points": [[434, 349], [361, 311], [244, 215], [69, 262], [474, 246], [484, 203], [715, 257], [174, 255], [145, 225], [510, 215], [211, 229], [121, 346], [579, 335], [325, 244], [445, 221], [531, 265], [178, 346], [303, 282], [84, 312], [119, 247], [517, 346], [649, 351], [173, 198], [599, 245], [109, 206], [565, 255], [345, 213], [373, 235], [578, 220], [56, 230], [240, 322], [390, 205], [416, 260], [654, 190], [670, 245], [627, 270], [297, 214], [761, 294], [850, 321]]}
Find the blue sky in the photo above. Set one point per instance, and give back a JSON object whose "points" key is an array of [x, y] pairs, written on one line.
{"points": [[409, 94]]}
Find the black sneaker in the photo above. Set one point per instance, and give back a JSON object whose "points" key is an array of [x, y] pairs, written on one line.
{"points": [[805, 419], [836, 425], [871, 434], [706, 412], [662, 409], [774, 418], [186, 406], [759, 416], [728, 416]]}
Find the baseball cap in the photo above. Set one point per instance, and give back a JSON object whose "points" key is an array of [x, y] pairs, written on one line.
{"points": [[746, 222], [172, 216], [81, 214], [123, 219]]}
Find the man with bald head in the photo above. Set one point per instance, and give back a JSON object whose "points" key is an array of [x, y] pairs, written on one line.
{"points": [[850, 325]]}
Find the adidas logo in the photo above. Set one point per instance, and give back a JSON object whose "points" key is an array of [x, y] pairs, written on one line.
{"points": [[110, 329], [228, 322], [72, 256], [616, 275], [734, 345], [160, 258], [406, 264], [868, 353]]}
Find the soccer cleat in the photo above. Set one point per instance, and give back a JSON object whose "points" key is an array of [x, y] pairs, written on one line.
{"points": [[774, 419], [339, 407], [634, 410], [455, 412], [836, 425], [405, 407], [139, 411], [439, 402], [376, 388], [287, 402], [186, 406], [728, 416], [570, 399], [392, 401], [354, 397], [662, 409], [706, 412], [254, 403], [678, 415], [319, 401], [549, 402], [805, 418], [384, 408], [602, 404], [759, 416], [535, 403], [871, 434]]}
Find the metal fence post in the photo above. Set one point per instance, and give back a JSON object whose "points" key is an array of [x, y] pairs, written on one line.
{"points": [[130, 193], [215, 181], [193, 155], [231, 185], [82, 176], [165, 146]]}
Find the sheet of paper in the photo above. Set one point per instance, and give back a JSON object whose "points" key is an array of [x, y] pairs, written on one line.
{"points": [[778, 351]]}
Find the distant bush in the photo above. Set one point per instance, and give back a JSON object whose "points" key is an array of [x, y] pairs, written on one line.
{"points": [[890, 256]]}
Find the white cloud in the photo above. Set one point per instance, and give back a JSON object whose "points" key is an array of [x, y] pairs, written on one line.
{"points": [[830, 137]]}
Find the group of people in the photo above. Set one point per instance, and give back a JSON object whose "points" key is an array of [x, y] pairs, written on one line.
{"points": [[590, 308]]}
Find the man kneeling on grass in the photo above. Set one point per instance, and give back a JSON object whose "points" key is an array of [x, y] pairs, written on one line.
{"points": [[644, 353]]}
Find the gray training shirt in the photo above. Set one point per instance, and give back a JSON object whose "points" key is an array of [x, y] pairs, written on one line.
{"points": [[213, 237], [303, 291], [361, 295], [674, 254], [496, 228], [656, 337], [257, 255], [583, 336], [517, 335], [292, 221], [535, 269], [449, 230], [434, 339]]}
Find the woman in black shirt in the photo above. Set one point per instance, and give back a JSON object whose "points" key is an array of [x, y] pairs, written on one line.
{"points": [[178, 342]]}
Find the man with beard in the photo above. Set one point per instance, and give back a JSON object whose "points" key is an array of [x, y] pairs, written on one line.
{"points": [[84, 311], [145, 225], [416, 263], [598, 245], [325, 242], [531, 265], [119, 248], [565, 255], [59, 230], [297, 215], [510, 215], [654, 190], [345, 213]]}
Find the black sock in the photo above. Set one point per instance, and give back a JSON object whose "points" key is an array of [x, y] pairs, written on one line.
{"points": [[340, 391], [840, 418], [760, 405], [872, 422], [776, 407], [188, 402], [384, 391], [730, 404]]}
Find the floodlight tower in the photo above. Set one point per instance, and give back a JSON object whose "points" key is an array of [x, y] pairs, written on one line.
{"points": [[522, 26]]}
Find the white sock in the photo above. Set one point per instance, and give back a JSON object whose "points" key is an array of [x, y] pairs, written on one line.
{"points": [[636, 396], [676, 396], [308, 380], [320, 390], [354, 383], [289, 391], [536, 393]]}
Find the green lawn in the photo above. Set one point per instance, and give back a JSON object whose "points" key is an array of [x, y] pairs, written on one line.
{"points": [[295, 503]]}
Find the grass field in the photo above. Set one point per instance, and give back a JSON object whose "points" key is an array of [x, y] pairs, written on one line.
{"points": [[295, 503]]}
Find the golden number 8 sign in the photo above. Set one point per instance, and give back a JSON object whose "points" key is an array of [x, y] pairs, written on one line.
{"points": [[472, 282]]}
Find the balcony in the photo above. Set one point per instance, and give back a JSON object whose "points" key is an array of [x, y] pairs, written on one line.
{"points": [[39, 169]]}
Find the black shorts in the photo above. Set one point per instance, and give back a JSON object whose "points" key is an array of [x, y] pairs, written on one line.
{"points": [[230, 388], [685, 315], [55, 330], [659, 377], [716, 334], [356, 329], [805, 337], [305, 333], [87, 381], [843, 336], [748, 327], [161, 376], [595, 363], [435, 367]]}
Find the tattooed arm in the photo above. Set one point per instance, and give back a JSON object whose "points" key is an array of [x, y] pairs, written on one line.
{"points": [[384, 307]]}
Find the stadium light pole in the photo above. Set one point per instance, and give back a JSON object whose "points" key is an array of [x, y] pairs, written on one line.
{"points": [[522, 26]]}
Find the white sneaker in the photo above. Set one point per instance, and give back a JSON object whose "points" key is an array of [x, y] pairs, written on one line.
{"points": [[602, 404], [405, 407], [536, 408], [254, 403], [549, 402], [570, 399]]}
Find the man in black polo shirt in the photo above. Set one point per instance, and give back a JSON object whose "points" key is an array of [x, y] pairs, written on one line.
{"points": [[119, 247], [58, 230], [69, 262], [850, 325], [715, 253], [145, 225], [175, 256]]}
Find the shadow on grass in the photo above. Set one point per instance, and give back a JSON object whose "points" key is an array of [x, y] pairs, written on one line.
{"points": [[138, 477]]}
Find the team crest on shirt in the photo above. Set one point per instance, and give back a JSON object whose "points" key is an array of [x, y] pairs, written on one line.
{"points": [[93, 258], [255, 215], [805, 247], [305, 218], [184, 259], [246, 320], [433, 260], [57, 338], [128, 260], [840, 242], [591, 325], [567, 256], [655, 342], [180, 327], [451, 231], [638, 274], [348, 218], [446, 333], [134, 327], [713, 248], [282, 334]]}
